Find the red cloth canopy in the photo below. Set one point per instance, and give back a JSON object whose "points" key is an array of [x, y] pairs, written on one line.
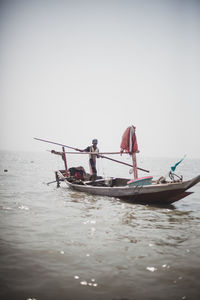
{"points": [[129, 140]]}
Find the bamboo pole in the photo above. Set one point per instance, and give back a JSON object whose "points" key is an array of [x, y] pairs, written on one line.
{"points": [[135, 169], [76, 149], [64, 158], [100, 153], [95, 153]]}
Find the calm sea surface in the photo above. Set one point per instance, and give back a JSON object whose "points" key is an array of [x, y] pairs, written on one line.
{"points": [[60, 244]]}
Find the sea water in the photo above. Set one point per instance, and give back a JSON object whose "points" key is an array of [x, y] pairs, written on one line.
{"points": [[59, 244]]}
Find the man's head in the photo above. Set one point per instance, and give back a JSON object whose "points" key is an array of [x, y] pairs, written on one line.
{"points": [[94, 142]]}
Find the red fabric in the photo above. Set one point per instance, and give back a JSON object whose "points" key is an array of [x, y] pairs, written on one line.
{"points": [[78, 175], [125, 143]]}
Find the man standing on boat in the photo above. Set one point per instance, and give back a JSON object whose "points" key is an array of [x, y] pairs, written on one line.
{"points": [[92, 158]]}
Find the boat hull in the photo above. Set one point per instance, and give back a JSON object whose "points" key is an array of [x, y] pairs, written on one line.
{"points": [[156, 193]]}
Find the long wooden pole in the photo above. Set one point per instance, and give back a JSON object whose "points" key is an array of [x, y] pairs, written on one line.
{"points": [[120, 162], [95, 153], [135, 172], [103, 156], [100, 153], [64, 158]]}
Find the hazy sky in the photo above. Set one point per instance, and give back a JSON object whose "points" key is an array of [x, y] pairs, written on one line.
{"points": [[71, 71]]}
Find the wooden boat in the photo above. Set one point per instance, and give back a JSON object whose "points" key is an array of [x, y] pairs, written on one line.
{"points": [[140, 190], [155, 193]]}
